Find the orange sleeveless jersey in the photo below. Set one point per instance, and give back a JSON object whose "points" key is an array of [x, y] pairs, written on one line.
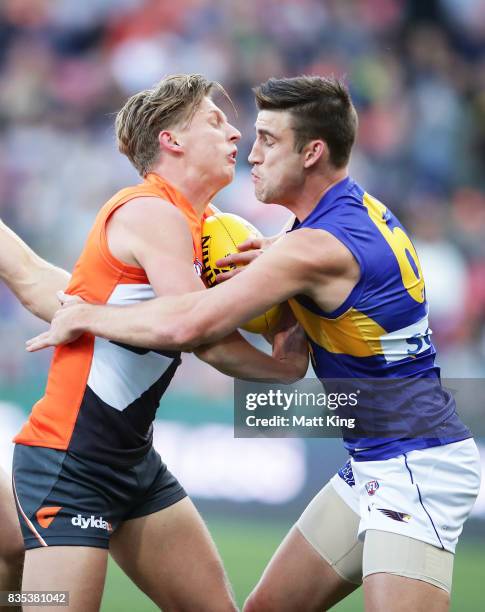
{"points": [[101, 397]]}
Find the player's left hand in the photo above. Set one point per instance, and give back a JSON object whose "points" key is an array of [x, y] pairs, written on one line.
{"points": [[63, 330]]}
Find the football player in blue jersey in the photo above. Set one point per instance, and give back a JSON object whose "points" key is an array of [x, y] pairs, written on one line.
{"points": [[391, 517]]}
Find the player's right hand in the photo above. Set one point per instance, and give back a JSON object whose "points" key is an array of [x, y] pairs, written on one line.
{"points": [[249, 250], [63, 330]]}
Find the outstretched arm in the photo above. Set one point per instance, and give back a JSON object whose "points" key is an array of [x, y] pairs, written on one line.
{"points": [[305, 261], [189, 320], [135, 235], [32, 279]]}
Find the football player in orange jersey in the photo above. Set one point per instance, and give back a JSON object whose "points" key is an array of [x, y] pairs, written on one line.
{"points": [[90, 438], [35, 283]]}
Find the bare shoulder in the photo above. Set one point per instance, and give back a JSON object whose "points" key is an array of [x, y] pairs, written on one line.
{"points": [[148, 210], [150, 218], [147, 225]]}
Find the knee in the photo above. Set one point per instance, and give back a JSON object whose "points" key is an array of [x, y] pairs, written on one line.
{"points": [[261, 601]]}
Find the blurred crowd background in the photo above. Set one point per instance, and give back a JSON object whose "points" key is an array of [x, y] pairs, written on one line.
{"points": [[416, 71]]}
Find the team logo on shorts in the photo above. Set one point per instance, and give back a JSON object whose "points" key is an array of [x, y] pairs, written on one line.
{"points": [[371, 487], [46, 515], [401, 517]]}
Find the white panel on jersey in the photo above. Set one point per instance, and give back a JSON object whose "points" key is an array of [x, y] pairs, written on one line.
{"points": [[406, 342], [131, 294], [119, 376]]}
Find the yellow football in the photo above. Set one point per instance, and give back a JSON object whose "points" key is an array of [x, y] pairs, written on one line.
{"points": [[221, 233]]}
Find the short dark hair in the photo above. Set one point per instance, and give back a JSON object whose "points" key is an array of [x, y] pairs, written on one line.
{"points": [[321, 107]]}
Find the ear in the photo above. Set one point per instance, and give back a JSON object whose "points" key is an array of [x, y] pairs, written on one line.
{"points": [[168, 141], [313, 151]]}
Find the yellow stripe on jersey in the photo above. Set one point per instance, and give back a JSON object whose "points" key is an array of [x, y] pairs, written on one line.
{"points": [[401, 245], [353, 333]]}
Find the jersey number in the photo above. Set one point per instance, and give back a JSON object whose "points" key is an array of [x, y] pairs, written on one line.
{"points": [[402, 247]]}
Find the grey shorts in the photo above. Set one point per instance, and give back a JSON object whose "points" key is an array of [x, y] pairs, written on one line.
{"points": [[67, 500]]}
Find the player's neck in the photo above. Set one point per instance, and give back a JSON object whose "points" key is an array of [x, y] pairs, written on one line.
{"points": [[195, 190], [313, 191]]}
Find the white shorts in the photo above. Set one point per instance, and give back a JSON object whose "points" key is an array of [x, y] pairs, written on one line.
{"points": [[424, 494]]}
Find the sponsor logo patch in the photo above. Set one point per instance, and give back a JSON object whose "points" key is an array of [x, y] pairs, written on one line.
{"points": [[46, 515], [371, 487], [97, 522], [401, 517]]}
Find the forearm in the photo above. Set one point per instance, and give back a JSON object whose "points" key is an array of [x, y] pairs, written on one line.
{"points": [[35, 283], [236, 357], [187, 321], [138, 324], [181, 322], [33, 280], [37, 289]]}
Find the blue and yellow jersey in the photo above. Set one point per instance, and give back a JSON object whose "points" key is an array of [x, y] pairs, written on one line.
{"points": [[381, 330]]}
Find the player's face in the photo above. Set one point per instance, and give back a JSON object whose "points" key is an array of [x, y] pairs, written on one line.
{"points": [[210, 145], [278, 172]]}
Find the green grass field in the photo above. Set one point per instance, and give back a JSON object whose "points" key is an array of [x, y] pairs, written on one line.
{"points": [[246, 548]]}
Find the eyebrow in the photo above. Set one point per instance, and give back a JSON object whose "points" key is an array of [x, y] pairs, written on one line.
{"points": [[264, 132], [218, 112]]}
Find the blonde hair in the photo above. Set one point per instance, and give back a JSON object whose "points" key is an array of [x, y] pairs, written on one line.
{"points": [[171, 102]]}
